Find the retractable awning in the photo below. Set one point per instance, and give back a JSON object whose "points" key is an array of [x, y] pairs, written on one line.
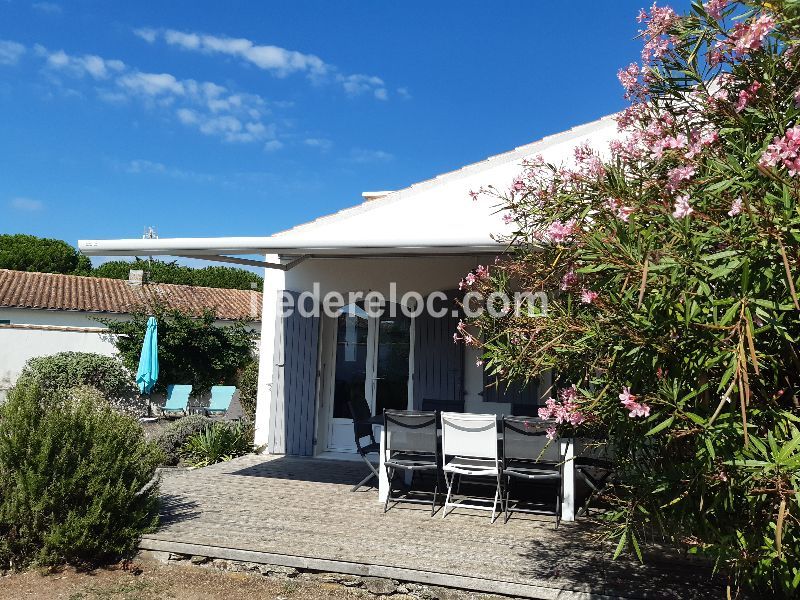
{"points": [[295, 248]]}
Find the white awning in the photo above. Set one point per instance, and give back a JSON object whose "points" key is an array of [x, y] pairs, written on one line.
{"points": [[226, 249]]}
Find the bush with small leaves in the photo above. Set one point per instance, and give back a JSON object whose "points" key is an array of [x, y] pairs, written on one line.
{"points": [[64, 371], [74, 477], [175, 435]]}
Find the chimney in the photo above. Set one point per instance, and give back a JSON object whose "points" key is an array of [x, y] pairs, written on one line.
{"points": [[369, 196], [136, 277]]}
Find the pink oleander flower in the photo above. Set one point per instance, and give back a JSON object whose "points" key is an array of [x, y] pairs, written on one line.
{"points": [[668, 143], [588, 163], [682, 207], [568, 280], [736, 207], [569, 394], [559, 231], [746, 96], [639, 410], [518, 185], [714, 8], [626, 397], [629, 401], [474, 195], [551, 433], [482, 272], [678, 175], [784, 151], [629, 78], [588, 296], [508, 218], [623, 213], [749, 36]]}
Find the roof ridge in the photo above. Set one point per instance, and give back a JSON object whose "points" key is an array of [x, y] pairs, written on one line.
{"points": [[398, 194], [123, 281]]}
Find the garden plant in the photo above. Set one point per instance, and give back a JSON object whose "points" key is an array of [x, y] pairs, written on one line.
{"points": [[671, 260], [76, 480]]}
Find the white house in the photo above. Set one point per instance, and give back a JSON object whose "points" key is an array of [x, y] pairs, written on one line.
{"points": [[421, 239], [46, 313]]}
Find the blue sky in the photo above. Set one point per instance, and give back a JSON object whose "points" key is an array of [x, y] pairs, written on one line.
{"points": [[245, 118]]}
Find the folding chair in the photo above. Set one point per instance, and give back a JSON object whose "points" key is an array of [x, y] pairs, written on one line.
{"points": [[221, 397], [595, 473], [362, 428], [411, 444], [529, 455], [469, 447], [177, 403]]}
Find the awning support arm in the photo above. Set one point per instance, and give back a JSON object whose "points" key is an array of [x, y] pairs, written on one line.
{"points": [[247, 261]]}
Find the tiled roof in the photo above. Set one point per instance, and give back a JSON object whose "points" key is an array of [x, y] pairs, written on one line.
{"points": [[20, 289]]}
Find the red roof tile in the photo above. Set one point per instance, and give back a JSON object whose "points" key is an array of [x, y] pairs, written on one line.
{"points": [[20, 289]]}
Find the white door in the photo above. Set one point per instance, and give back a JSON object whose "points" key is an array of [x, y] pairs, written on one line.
{"points": [[372, 359]]}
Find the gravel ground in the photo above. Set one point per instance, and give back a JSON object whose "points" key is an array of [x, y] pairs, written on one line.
{"points": [[151, 581]]}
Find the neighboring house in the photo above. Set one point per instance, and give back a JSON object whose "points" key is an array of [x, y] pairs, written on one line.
{"points": [[46, 313], [423, 239]]}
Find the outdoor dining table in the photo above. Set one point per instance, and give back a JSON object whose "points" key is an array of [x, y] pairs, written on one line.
{"points": [[568, 483]]}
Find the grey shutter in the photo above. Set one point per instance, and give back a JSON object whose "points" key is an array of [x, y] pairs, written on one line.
{"points": [[294, 387], [438, 362]]}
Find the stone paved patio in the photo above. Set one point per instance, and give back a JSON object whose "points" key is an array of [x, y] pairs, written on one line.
{"points": [[302, 507]]}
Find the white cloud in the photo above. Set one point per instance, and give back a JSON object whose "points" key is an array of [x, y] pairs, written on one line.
{"points": [[404, 93], [273, 145], [321, 143], [151, 84], [48, 7], [205, 106], [281, 62], [26, 204], [148, 167], [362, 155], [10, 52], [79, 66], [147, 34]]}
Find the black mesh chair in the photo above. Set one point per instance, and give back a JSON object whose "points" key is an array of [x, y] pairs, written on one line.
{"points": [[432, 404], [411, 444], [362, 428], [595, 472], [530, 456]]}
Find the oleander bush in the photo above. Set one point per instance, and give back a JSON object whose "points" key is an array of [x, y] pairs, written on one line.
{"points": [[671, 267], [76, 480], [219, 442], [175, 435], [61, 372]]}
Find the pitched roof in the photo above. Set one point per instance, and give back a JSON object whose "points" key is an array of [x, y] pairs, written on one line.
{"points": [[20, 289]]}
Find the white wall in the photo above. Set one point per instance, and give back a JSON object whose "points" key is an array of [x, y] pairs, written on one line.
{"points": [[37, 332], [42, 333], [418, 274]]}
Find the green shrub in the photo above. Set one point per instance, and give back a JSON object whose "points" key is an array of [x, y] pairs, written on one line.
{"points": [[193, 349], [217, 443], [177, 433], [72, 480], [64, 371], [248, 390]]}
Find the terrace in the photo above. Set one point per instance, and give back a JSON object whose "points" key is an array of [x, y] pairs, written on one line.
{"points": [[299, 512]]}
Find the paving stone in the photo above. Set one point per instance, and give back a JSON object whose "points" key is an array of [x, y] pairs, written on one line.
{"points": [[380, 586], [199, 560]]}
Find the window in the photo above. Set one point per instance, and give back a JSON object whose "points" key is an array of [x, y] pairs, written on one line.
{"points": [[5, 322]]}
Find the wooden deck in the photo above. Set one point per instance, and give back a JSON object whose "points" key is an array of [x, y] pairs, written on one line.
{"points": [[300, 512]]}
